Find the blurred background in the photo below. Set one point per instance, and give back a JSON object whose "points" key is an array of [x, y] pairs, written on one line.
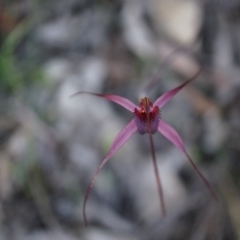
{"points": [[51, 144]]}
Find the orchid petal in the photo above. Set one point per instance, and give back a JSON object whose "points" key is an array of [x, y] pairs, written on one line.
{"points": [[124, 102], [119, 141], [170, 133], [161, 101]]}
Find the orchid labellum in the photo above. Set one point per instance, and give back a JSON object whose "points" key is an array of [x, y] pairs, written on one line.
{"points": [[146, 120]]}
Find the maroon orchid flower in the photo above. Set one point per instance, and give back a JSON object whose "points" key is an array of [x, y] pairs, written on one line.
{"points": [[146, 120]]}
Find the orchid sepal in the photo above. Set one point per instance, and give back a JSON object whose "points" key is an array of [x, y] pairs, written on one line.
{"points": [[171, 134], [124, 102], [119, 141], [161, 101]]}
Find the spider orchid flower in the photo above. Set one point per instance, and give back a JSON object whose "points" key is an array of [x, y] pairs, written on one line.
{"points": [[146, 120]]}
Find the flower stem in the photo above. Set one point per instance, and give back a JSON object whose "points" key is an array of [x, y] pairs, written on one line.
{"points": [[159, 186]]}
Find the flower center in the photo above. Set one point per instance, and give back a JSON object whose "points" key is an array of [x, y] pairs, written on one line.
{"points": [[147, 117]]}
